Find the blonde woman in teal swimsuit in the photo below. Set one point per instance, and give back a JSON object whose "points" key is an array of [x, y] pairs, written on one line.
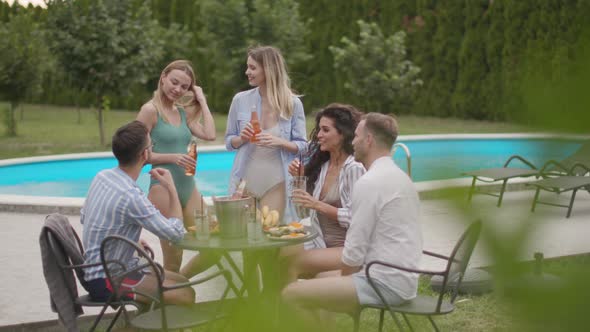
{"points": [[171, 127]]}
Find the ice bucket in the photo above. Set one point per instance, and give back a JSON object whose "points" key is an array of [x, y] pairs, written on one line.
{"points": [[231, 215]]}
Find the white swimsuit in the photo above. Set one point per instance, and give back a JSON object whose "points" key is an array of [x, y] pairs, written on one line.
{"points": [[264, 170]]}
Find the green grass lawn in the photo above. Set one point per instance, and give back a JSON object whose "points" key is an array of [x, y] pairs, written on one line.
{"points": [[495, 311], [46, 129]]}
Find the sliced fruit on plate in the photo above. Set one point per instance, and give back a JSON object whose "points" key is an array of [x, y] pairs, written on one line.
{"points": [[293, 235]]}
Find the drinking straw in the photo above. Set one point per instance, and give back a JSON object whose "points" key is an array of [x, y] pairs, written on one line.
{"points": [[300, 169], [202, 210]]}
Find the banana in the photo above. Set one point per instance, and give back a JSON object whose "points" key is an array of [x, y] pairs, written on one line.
{"points": [[267, 222], [265, 211], [274, 215]]}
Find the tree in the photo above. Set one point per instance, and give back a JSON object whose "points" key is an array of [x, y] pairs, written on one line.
{"points": [[222, 49], [376, 69], [467, 99], [104, 46], [230, 27], [24, 60], [278, 23]]}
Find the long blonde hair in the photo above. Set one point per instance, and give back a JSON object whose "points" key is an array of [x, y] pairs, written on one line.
{"points": [[278, 83], [184, 66]]}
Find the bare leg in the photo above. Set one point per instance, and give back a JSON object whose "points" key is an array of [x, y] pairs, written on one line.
{"points": [[205, 259], [159, 197], [149, 285], [336, 294], [172, 256], [200, 263], [308, 263]]}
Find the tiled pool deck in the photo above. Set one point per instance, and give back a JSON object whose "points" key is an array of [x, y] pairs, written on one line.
{"points": [[25, 296]]}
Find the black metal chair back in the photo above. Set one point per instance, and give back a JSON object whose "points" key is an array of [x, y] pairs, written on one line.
{"points": [[458, 260], [68, 267], [62, 259]]}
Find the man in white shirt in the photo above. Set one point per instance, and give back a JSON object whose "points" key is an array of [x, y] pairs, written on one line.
{"points": [[385, 227]]}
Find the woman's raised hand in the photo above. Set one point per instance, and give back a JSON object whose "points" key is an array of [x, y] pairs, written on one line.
{"points": [[199, 95], [304, 199], [247, 133], [294, 167], [266, 139]]}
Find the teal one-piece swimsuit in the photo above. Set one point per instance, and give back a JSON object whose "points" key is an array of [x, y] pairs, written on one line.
{"points": [[174, 139]]}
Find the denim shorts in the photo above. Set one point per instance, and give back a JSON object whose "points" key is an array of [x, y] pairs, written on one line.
{"points": [[367, 295]]}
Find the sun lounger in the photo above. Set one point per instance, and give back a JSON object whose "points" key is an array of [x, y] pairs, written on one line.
{"points": [[505, 173], [564, 183]]}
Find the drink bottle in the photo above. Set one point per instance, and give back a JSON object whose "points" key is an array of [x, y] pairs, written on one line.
{"points": [[255, 124], [239, 190], [192, 152]]}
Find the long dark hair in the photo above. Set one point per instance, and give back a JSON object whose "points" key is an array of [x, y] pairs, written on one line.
{"points": [[346, 118]]}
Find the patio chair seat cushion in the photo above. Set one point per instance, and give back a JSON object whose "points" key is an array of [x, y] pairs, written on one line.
{"points": [[503, 173], [475, 282]]}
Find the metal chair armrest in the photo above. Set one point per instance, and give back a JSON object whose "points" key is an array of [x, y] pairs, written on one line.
{"points": [[378, 291], [80, 266], [83, 266], [149, 251], [154, 299], [225, 273], [394, 266], [553, 163], [581, 166], [522, 159], [433, 254]]}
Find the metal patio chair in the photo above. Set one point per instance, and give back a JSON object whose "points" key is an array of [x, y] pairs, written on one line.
{"points": [[161, 316], [425, 305], [65, 262]]}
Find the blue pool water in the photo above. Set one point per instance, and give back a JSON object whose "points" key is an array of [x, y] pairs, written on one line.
{"points": [[431, 160]]}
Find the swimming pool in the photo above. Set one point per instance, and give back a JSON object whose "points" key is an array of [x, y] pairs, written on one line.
{"points": [[433, 158]]}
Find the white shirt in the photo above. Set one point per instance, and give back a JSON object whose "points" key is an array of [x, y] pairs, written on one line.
{"points": [[385, 226]]}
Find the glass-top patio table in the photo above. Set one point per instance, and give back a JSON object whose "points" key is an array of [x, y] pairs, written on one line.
{"points": [[262, 254]]}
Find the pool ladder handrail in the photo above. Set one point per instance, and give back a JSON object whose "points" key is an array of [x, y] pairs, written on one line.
{"points": [[407, 153]]}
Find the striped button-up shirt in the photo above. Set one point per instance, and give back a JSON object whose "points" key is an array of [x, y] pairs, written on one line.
{"points": [[350, 172], [115, 205]]}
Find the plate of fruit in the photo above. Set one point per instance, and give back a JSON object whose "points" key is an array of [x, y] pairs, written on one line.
{"points": [[292, 231]]}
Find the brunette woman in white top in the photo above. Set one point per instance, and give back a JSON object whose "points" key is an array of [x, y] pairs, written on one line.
{"points": [[332, 172]]}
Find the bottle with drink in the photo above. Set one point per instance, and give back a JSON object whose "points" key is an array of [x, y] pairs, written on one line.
{"points": [[192, 152], [239, 193], [255, 124]]}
